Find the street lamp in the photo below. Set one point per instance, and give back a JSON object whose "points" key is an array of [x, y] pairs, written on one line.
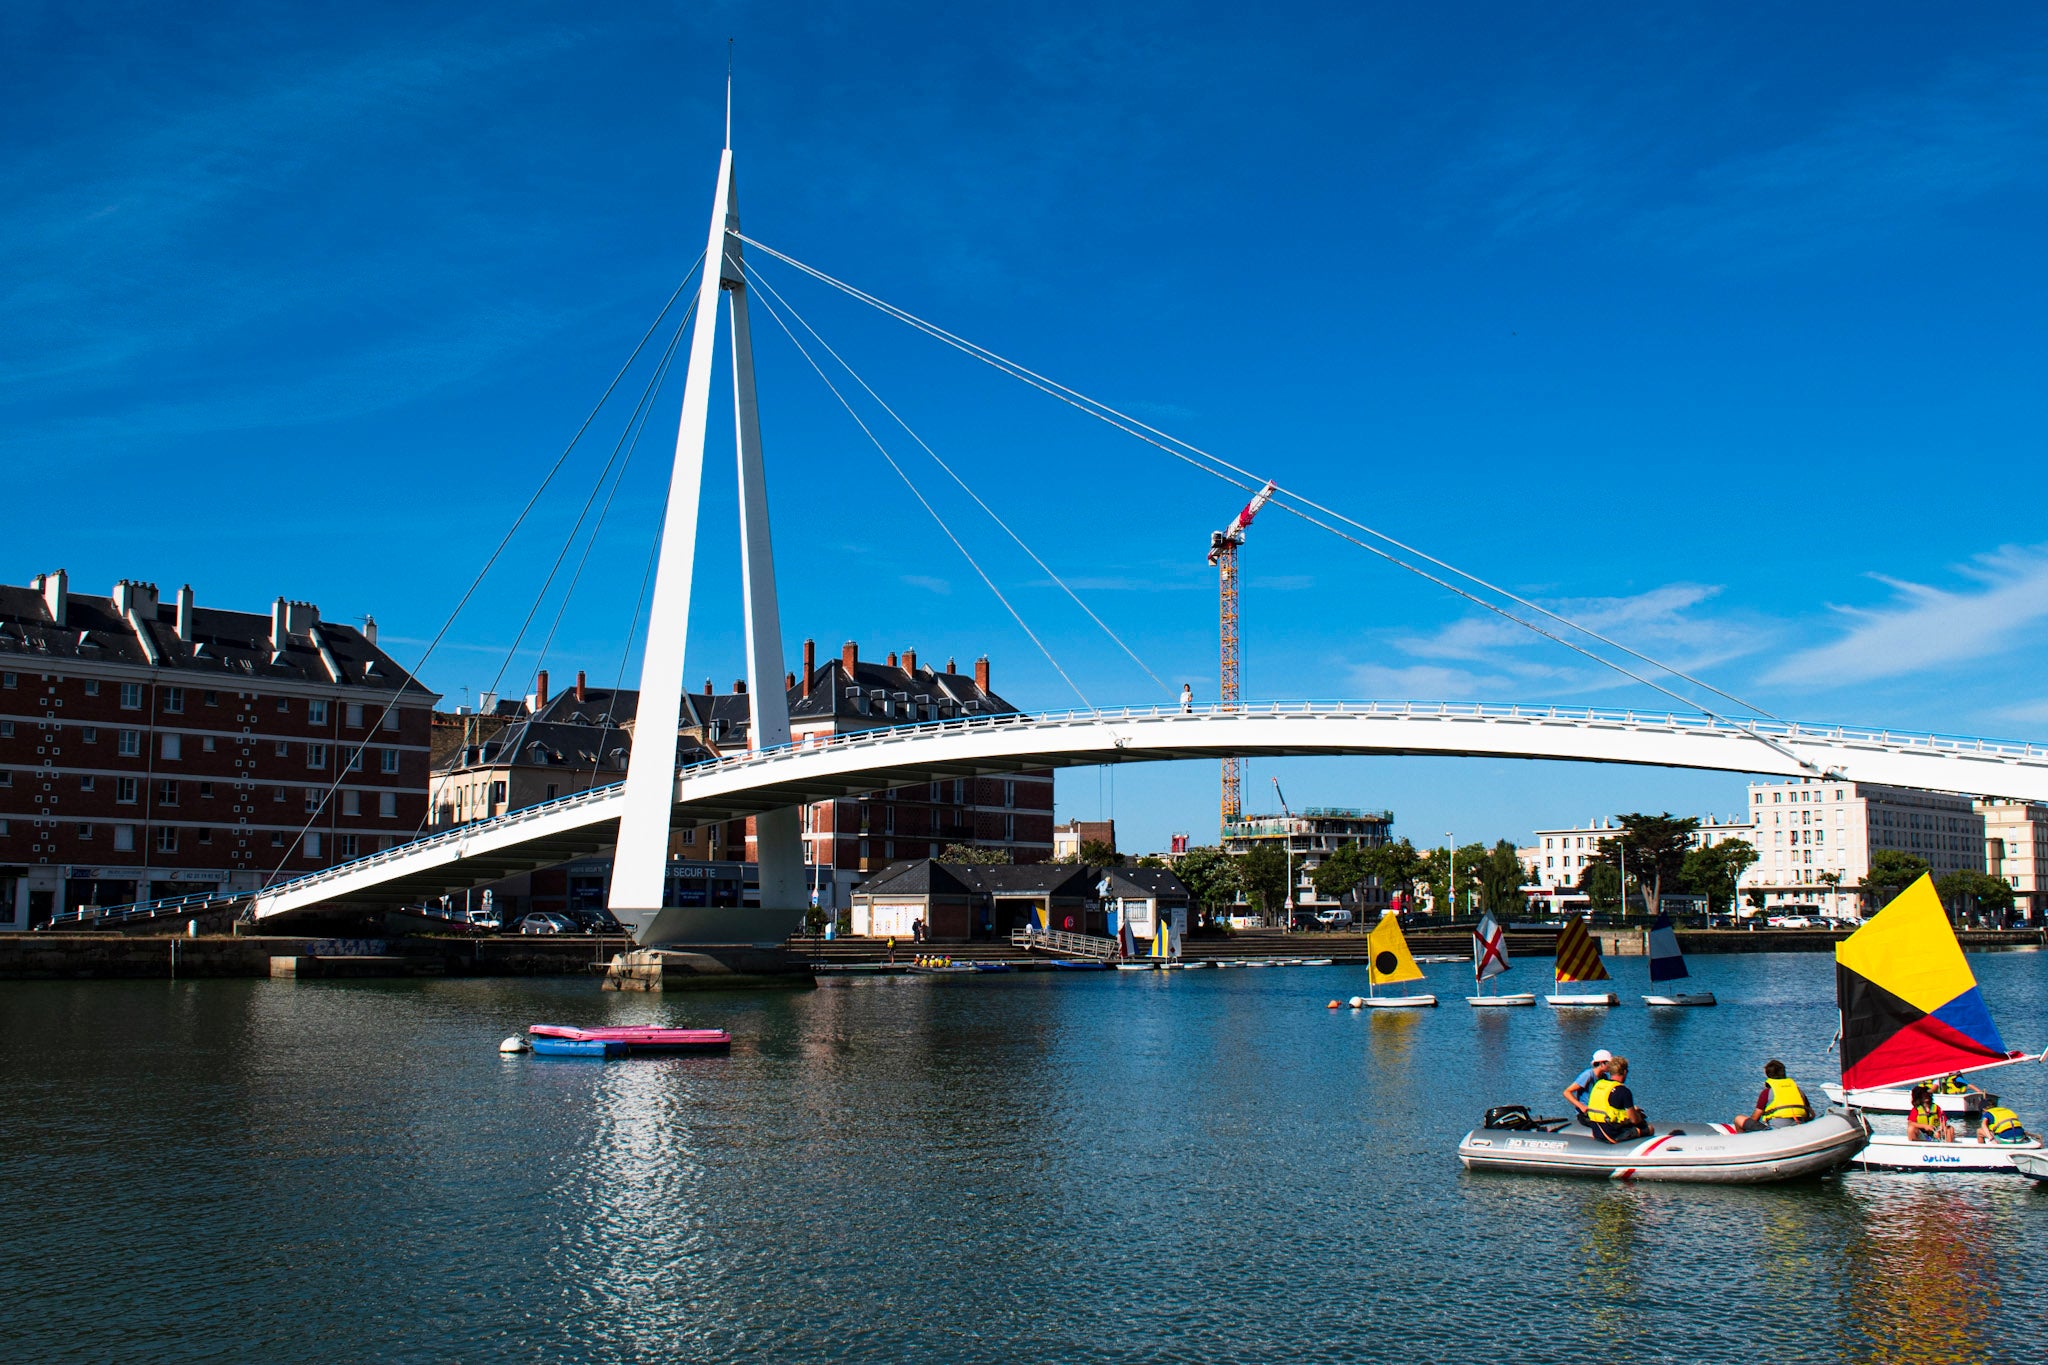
{"points": [[1451, 842]]}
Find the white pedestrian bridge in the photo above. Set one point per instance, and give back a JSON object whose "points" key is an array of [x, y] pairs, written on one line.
{"points": [[898, 756]]}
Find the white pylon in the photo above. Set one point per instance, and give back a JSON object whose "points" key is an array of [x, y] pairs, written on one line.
{"points": [[640, 862]]}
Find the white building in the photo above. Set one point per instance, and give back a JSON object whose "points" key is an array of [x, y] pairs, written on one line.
{"points": [[1814, 839], [2016, 848], [1559, 857]]}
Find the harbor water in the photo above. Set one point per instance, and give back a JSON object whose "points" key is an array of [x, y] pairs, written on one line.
{"points": [[1204, 1165]]}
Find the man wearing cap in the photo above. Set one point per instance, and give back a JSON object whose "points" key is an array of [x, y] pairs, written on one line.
{"points": [[1582, 1086]]}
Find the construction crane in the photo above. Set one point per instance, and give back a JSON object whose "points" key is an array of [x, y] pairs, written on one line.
{"points": [[1223, 554]]}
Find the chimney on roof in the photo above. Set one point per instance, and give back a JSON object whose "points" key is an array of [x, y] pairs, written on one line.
{"points": [[849, 656], [739, 687], [540, 689], [370, 629], [952, 667], [277, 630], [707, 687], [810, 663], [56, 590], [581, 688], [910, 661], [892, 658], [981, 673], [185, 613], [788, 681]]}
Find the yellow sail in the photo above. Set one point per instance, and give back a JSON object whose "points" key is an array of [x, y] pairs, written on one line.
{"points": [[1388, 949]]}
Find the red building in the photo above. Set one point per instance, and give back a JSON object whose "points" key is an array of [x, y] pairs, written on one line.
{"points": [[152, 749]]}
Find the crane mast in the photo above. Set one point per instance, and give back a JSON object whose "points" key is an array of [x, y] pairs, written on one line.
{"points": [[1223, 554]]}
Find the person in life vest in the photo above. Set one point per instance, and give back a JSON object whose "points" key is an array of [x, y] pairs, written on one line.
{"points": [[1924, 1122], [1780, 1104], [1581, 1088], [1611, 1109], [2000, 1124], [1954, 1084]]}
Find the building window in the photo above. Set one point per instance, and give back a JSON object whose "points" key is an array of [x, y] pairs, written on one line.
{"points": [[85, 831], [277, 838], [497, 793], [206, 744], [277, 795], [283, 749], [129, 744], [387, 804], [131, 696], [6, 729], [390, 721], [353, 715], [316, 755], [284, 706], [316, 712], [125, 790], [167, 793], [92, 687], [205, 836], [210, 698], [174, 700], [6, 680], [689, 837], [351, 803], [172, 746], [387, 760], [206, 791], [124, 838], [355, 760], [344, 845], [167, 838], [87, 783], [91, 734], [312, 800], [313, 843]]}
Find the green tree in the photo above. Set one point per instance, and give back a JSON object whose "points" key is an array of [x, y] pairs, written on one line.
{"points": [[1653, 847], [1096, 853], [1713, 872], [1967, 891], [1396, 866], [969, 853], [1210, 876], [1891, 871], [1500, 879], [1602, 884], [1262, 872], [1338, 875], [1436, 872], [1149, 860]]}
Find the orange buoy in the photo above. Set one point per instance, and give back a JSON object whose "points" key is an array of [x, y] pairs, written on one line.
{"points": [[1334, 1005]]}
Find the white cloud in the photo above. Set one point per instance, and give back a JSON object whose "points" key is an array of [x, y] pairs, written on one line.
{"points": [[1929, 628], [929, 584]]}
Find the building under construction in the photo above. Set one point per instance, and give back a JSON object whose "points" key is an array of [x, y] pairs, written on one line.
{"points": [[1311, 835]]}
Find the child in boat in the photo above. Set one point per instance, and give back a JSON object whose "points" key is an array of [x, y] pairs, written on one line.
{"points": [[1999, 1124], [1780, 1104], [1925, 1122], [1581, 1087], [1611, 1110]]}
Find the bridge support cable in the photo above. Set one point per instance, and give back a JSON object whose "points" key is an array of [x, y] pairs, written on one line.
{"points": [[925, 502], [1218, 467], [754, 273], [344, 767]]}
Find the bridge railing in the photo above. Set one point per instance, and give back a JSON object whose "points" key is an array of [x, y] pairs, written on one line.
{"points": [[889, 735], [98, 915]]}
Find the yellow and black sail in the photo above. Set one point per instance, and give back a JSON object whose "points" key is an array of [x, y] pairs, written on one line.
{"points": [[1578, 956]]}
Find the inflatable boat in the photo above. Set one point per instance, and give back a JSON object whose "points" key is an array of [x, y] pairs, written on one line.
{"points": [[625, 1040], [1704, 1152], [1897, 1152]]}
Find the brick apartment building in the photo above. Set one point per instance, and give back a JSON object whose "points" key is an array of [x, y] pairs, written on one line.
{"points": [[152, 748], [569, 741]]}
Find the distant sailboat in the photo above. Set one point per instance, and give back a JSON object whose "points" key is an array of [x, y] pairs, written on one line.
{"points": [[1490, 959], [1667, 963], [1388, 960], [1578, 959]]}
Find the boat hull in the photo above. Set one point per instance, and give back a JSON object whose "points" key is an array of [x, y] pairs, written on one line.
{"points": [[1584, 999], [1899, 1100], [577, 1047], [1895, 1152], [1682, 999], [620, 1041], [1483, 1002], [1400, 1002], [2032, 1165], [1703, 1153]]}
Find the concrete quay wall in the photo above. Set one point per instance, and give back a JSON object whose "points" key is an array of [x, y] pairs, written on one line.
{"points": [[64, 957]]}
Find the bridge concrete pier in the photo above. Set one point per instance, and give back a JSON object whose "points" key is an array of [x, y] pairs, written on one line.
{"points": [[709, 967]]}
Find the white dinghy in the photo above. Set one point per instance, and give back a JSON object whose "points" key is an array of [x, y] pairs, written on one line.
{"points": [[2032, 1165], [1490, 959], [1388, 961], [1897, 1152], [1577, 961], [1710, 1153], [1667, 963]]}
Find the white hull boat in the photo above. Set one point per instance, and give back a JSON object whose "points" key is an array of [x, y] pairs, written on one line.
{"points": [[1682, 999], [1137, 966], [1897, 1152], [1399, 1002], [1700, 1152], [2032, 1165], [1501, 1001], [1589, 999], [1899, 1100]]}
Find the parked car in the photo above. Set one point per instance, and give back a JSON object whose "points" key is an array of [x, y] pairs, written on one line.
{"points": [[1791, 922], [488, 921], [1338, 918], [547, 922]]}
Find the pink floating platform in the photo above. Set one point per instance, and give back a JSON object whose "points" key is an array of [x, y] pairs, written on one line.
{"points": [[641, 1037]]}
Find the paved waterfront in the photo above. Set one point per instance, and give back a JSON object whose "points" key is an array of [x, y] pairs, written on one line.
{"points": [[1194, 1166]]}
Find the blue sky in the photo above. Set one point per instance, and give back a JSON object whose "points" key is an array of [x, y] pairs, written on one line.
{"points": [[1718, 329]]}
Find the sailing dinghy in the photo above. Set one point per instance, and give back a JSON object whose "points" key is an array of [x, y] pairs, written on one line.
{"points": [[1578, 960], [1387, 961], [1911, 1014], [1667, 963], [1490, 959]]}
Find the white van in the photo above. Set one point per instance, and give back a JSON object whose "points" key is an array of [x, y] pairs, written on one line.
{"points": [[1334, 919]]}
